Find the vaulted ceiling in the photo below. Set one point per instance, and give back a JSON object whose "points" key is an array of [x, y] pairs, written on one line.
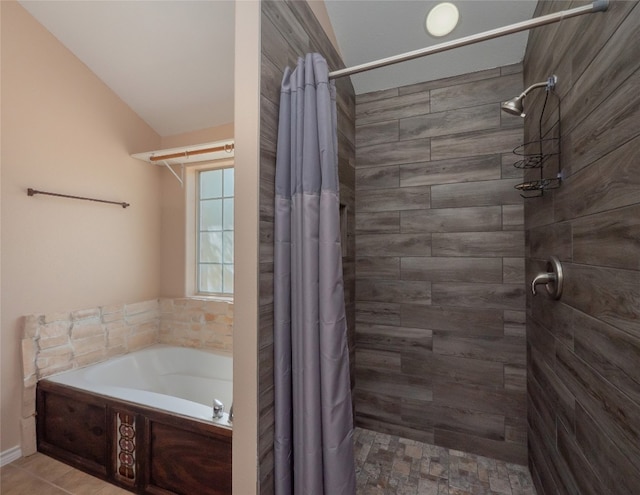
{"points": [[371, 30], [172, 61]]}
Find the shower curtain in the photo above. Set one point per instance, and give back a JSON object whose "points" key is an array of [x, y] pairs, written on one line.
{"points": [[314, 423]]}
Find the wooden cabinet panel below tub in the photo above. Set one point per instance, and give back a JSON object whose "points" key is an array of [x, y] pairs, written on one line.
{"points": [[187, 462], [140, 449], [72, 427]]}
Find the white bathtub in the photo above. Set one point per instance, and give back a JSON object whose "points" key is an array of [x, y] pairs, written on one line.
{"points": [[175, 379]]}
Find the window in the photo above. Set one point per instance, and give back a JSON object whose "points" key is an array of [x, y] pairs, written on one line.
{"points": [[215, 232]]}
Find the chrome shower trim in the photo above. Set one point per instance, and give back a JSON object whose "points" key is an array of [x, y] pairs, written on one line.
{"points": [[515, 106]]}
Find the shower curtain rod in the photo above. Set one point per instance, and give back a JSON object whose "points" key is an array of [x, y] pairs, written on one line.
{"points": [[596, 6], [186, 154]]}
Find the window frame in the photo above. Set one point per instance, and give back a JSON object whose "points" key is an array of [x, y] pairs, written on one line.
{"points": [[192, 211]]}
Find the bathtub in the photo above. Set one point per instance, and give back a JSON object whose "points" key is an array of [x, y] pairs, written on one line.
{"points": [[143, 421], [180, 380]]}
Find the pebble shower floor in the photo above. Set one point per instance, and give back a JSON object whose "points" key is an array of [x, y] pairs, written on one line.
{"points": [[390, 465]]}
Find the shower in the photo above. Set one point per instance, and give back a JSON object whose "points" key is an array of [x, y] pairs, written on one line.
{"points": [[515, 106]]}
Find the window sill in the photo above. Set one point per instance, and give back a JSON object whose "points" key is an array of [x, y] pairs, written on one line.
{"points": [[203, 297]]}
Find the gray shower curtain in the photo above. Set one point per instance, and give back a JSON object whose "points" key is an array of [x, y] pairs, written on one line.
{"points": [[314, 423]]}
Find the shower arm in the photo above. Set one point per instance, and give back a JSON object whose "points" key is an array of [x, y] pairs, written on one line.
{"points": [[532, 87], [549, 84], [596, 6]]}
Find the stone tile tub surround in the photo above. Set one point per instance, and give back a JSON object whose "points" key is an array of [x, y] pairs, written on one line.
{"points": [[198, 323], [57, 342]]}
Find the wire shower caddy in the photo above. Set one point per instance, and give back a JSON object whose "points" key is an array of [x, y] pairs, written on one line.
{"points": [[542, 152]]}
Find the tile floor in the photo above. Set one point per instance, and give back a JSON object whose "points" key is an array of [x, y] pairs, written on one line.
{"points": [[390, 465], [42, 475], [385, 465]]}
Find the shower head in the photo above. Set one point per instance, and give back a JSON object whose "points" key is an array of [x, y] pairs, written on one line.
{"points": [[515, 106]]}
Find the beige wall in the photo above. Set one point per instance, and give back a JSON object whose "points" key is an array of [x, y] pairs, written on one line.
{"points": [[173, 249], [2, 371], [208, 135], [65, 131], [247, 177]]}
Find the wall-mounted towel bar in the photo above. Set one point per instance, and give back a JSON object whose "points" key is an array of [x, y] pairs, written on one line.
{"points": [[33, 192]]}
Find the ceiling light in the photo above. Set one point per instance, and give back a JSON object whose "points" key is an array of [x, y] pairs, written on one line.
{"points": [[442, 19]]}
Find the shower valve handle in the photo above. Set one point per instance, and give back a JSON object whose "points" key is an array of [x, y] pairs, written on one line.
{"points": [[553, 279], [542, 278]]}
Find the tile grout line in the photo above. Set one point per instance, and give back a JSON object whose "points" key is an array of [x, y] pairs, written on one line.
{"points": [[396, 466], [35, 475]]}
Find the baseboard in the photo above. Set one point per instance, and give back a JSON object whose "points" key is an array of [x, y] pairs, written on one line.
{"points": [[10, 455]]}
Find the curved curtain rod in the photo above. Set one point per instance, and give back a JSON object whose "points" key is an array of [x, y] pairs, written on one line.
{"points": [[596, 6]]}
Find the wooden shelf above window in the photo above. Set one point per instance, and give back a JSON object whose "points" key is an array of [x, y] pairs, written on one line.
{"points": [[189, 154]]}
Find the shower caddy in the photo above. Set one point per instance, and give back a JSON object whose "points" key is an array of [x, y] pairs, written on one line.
{"points": [[543, 152]]}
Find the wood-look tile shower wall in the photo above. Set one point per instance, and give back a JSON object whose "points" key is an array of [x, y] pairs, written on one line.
{"points": [[584, 350], [440, 303], [289, 30]]}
